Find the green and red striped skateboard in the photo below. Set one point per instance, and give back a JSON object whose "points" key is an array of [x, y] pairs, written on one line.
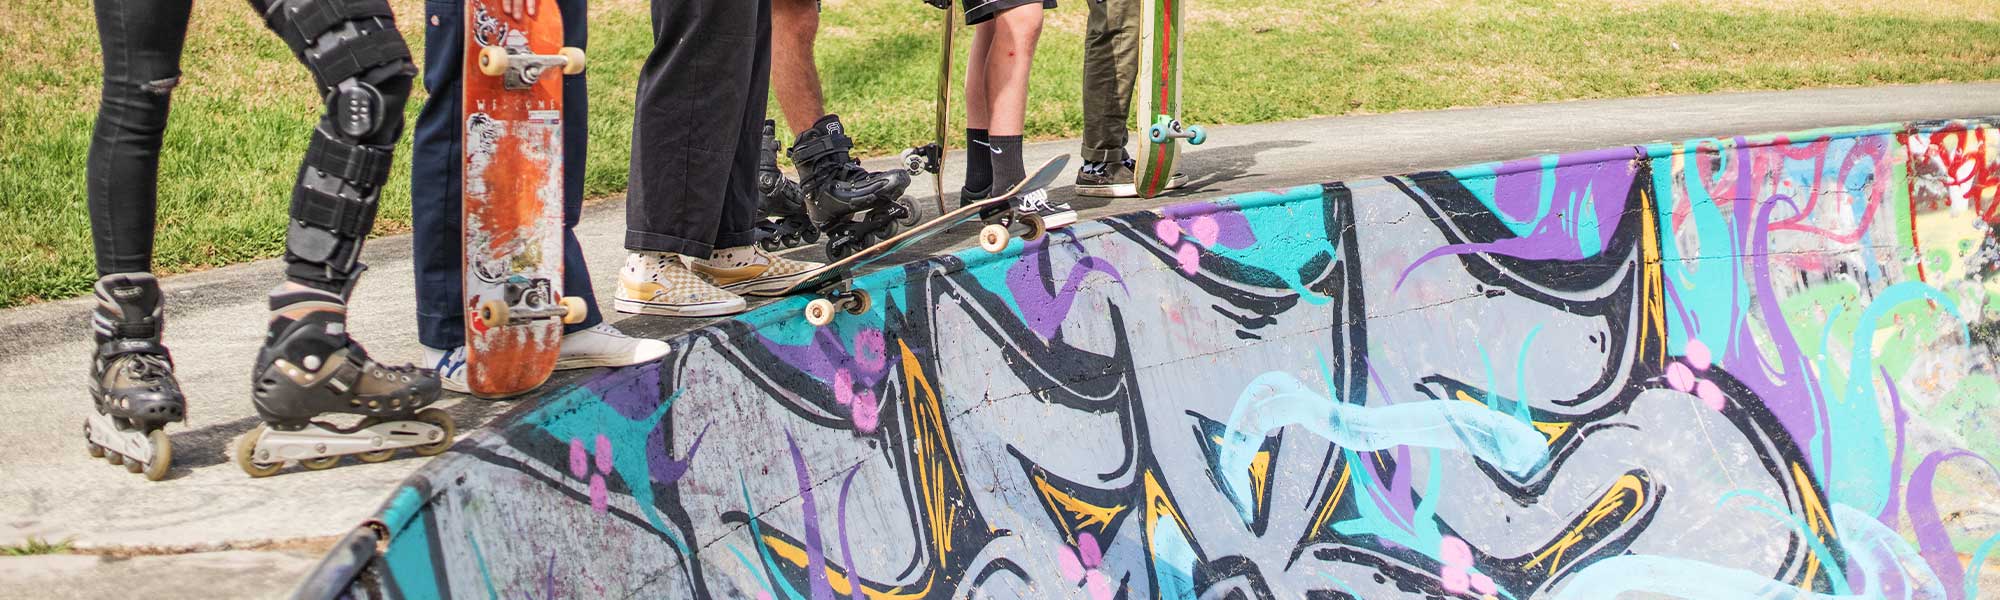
{"points": [[1159, 91]]}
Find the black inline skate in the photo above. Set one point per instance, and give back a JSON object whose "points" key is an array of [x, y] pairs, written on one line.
{"points": [[783, 222], [132, 377], [309, 368], [854, 207]]}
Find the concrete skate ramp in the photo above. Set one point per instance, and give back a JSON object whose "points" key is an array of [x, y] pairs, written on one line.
{"points": [[1712, 369]]}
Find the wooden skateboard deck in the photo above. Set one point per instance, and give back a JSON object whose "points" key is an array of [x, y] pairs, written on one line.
{"points": [[930, 157], [512, 117], [1159, 96], [843, 269]]}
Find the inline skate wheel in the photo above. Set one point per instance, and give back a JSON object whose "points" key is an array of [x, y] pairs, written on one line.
{"points": [[95, 450], [770, 244], [442, 421], [493, 61], [320, 464], [819, 312], [578, 311], [134, 466], [994, 238], [246, 455], [114, 457], [163, 455], [376, 456]]}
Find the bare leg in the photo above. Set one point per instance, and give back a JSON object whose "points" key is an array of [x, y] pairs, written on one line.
{"points": [[1008, 54], [794, 76], [977, 115]]}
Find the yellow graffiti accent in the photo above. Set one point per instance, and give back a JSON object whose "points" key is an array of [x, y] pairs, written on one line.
{"points": [[1332, 500], [836, 579], [1624, 499], [1159, 506], [1816, 520], [1554, 431], [1652, 284], [1079, 512], [1260, 467]]}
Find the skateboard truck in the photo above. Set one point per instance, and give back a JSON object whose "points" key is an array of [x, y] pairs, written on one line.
{"points": [[1167, 128], [521, 69], [820, 311], [923, 159], [526, 301]]}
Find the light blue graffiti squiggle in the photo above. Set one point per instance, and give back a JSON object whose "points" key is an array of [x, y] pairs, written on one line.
{"points": [[1798, 526], [1687, 578], [1277, 399], [1173, 560], [1860, 465]]}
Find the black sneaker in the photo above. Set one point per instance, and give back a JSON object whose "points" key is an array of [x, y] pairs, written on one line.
{"points": [[1114, 180]]}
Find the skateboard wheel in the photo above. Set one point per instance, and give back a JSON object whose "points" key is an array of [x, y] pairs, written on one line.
{"points": [[493, 61], [493, 313], [819, 312], [1197, 135], [994, 238], [911, 218], [1035, 227], [1156, 133], [577, 310], [575, 60], [858, 302]]}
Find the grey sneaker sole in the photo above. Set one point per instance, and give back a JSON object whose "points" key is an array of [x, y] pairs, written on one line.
{"points": [[1123, 190], [566, 364], [705, 309], [1059, 220]]}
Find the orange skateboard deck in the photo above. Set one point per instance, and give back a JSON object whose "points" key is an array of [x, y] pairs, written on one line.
{"points": [[514, 301], [1159, 92]]}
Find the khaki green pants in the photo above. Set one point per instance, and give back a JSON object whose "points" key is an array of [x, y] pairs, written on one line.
{"points": [[1110, 69]]}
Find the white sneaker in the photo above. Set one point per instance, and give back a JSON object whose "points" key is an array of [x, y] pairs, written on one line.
{"points": [[450, 367], [658, 283], [752, 271], [605, 346]]}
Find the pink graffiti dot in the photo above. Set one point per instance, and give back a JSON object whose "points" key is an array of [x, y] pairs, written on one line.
{"points": [[1205, 230], [603, 453], [868, 349], [1455, 552], [843, 387], [1709, 394], [1697, 355], [1483, 584], [1098, 585], [763, 596], [599, 498], [579, 459], [1680, 377], [866, 412], [1086, 548], [1455, 580], [1168, 230], [1189, 257], [1072, 571]]}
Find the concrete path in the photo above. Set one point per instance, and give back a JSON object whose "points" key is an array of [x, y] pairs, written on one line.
{"points": [[214, 520]]}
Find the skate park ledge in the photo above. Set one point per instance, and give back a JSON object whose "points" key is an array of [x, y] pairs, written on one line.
{"points": [[1721, 367]]}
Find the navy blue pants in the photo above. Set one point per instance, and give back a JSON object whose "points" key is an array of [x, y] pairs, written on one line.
{"points": [[437, 211]]}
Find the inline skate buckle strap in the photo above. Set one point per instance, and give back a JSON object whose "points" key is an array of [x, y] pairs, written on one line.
{"points": [[820, 146], [123, 346]]}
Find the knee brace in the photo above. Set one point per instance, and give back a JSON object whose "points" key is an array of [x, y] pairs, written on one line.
{"points": [[363, 70]]}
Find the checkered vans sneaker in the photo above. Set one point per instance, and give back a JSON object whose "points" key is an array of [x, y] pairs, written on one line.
{"points": [[751, 271], [654, 283]]}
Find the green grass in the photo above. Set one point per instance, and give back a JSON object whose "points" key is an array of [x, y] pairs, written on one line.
{"points": [[242, 113], [37, 546]]}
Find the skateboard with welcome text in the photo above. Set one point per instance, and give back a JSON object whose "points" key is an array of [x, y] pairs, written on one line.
{"points": [[514, 303]]}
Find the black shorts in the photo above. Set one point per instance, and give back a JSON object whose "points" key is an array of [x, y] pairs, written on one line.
{"points": [[981, 11]]}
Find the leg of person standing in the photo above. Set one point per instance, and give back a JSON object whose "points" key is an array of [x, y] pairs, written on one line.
{"points": [[693, 194], [1110, 69], [437, 210], [131, 372], [834, 184], [1005, 34]]}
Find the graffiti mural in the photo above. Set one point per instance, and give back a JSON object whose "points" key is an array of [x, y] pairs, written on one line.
{"points": [[1746, 367]]}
